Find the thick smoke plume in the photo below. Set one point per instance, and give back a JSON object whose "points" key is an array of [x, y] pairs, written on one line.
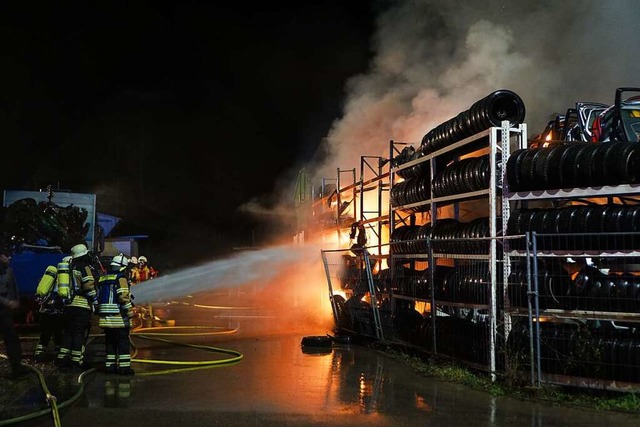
{"points": [[434, 58]]}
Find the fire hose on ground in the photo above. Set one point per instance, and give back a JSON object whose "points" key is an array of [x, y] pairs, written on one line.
{"points": [[52, 401], [153, 333]]}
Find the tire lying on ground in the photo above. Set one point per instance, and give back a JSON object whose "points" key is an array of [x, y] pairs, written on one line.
{"points": [[317, 341]]}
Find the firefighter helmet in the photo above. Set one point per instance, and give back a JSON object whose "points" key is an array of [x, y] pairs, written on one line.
{"points": [[79, 250], [67, 259], [142, 259], [133, 260], [120, 260]]}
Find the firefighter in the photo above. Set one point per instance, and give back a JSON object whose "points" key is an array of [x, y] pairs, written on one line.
{"points": [[116, 310], [361, 239], [51, 310], [10, 301], [145, 271], [133, 270], [79, 294]]}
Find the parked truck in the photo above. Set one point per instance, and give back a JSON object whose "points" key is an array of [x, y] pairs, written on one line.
{"points": [[40, 227]]}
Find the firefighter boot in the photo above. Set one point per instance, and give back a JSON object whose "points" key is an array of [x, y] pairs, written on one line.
{"points": [[113, 369], [126, 371]]}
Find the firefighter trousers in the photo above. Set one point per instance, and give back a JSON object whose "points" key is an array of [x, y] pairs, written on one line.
{"points": [[117, 347], [51, 328], [77, 322]]}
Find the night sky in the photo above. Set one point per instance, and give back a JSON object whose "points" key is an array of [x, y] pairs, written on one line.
{"points": [[191, 119], [174, 113]]}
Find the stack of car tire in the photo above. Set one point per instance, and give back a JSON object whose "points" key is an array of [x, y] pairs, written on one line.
{"points": [[464, 175], [562, 227], [488, 112], [410, 191], [574, 165], [448, 235], [592, 350]]}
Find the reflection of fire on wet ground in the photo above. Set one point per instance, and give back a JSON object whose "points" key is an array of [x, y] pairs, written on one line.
{"points": [[268, 310]]}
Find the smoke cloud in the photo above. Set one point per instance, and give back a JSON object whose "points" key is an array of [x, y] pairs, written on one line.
{"points": [[432, 59], [435, 58]]}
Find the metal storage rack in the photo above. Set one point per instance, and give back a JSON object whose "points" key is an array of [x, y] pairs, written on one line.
{"points": [[362, 203], [562, 315], [495, 142]]}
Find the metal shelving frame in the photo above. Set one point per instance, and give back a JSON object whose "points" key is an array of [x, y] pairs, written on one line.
{"points": [[498, 141], [373, 178], [535, 313]]}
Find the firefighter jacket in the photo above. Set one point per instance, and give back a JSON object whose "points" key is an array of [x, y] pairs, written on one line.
{"points": [[114, 300], [134, 276], [144, 273], [79, 289]]}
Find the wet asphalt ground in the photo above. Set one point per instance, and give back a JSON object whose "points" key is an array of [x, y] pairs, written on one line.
{"points": [[276, 382]]}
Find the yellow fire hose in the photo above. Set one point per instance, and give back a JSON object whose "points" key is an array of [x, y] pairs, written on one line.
{"points": [[148, 333], [52, 401], [214, 307]]}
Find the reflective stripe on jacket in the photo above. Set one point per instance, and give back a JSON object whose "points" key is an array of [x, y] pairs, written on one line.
{"points": [[83, 281], [114, 301]]}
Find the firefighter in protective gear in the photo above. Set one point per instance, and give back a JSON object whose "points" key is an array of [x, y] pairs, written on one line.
{"points": [[51, 310], [79, 294], [133, 270], [116, 310], [145, 271]]}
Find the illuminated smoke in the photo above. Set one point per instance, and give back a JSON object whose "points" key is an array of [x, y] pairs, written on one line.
{"points": [[434, 58]]}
